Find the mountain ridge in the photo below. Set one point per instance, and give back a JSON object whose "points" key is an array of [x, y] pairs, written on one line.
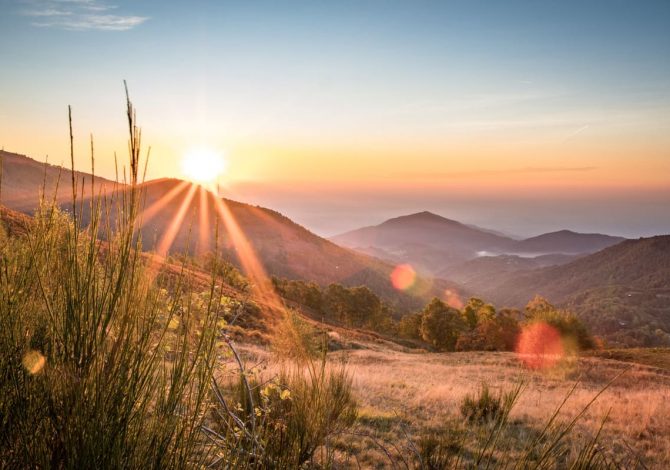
{"points": [[285, 248], [434, 243]]}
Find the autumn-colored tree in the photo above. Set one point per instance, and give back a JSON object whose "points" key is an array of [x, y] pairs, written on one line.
{"points": [[336, 302], [476, 311], [441, 325], [567, 323], [409, 326]]}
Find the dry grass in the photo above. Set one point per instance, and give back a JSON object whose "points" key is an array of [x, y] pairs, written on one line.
{"points": [[404, 394], [430, 387]]}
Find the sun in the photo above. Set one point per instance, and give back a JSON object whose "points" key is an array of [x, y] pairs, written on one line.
{"points": [[203, 165]]}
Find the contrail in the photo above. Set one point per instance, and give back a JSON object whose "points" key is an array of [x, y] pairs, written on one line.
{"points": [[578, 131]]}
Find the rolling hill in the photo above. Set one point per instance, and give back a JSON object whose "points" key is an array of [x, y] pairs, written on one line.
{"points": [[24, 179], [622, 292], [284, 248], [426, 240], [566, 242]]}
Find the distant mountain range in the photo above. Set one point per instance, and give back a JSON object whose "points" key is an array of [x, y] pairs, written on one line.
{"points": [[566, 242], [620, 287], [434, 244]]}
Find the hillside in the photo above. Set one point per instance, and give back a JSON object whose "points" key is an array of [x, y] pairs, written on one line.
{"points": [[442, 247], [284, 248], [426, 240], [567, 242], [12, 222], [24, 179], [486, 270], [622, 291]]}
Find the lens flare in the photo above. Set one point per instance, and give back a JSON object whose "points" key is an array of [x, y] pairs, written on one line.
{"points": [[540, 346], [453, 299], [33, 361], [403, 277]]}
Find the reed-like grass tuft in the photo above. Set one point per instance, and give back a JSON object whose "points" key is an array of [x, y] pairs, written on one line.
{"points": [[91, 374]]}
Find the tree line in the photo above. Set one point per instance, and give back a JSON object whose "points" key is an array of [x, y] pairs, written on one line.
{"points": [[475, 326]]}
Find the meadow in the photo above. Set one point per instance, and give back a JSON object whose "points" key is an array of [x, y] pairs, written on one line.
{"points": [[405, 396]]}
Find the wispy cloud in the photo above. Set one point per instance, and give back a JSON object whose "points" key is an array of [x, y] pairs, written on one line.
{"points": [[79, 15]]}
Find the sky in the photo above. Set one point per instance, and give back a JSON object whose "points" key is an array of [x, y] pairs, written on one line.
{"points": [[520, 116]]}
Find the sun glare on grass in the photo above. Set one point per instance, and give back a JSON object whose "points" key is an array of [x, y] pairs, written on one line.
{"points": [[203, 166]]}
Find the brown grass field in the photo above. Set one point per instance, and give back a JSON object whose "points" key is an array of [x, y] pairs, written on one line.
{"points": [[404, 394]]}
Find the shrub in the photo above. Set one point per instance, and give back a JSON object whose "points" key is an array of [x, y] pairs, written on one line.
{"points": [[409, 326], [440, 450], [226, 271], [483, 406], [283, 423]]}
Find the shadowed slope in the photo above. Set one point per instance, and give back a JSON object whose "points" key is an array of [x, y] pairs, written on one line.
{"points": [[23, 180], [568, 242], [623, 292]]}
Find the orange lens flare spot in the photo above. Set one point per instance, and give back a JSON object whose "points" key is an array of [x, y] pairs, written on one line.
{"points": [[403, 277], [33, 361], [452, 299], [540, 346]]}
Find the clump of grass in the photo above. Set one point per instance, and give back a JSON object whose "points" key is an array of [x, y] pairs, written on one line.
{"points": [[286, 422], [495, 448], [484, 406], [441, 449], [297, 340], [84, 336]]}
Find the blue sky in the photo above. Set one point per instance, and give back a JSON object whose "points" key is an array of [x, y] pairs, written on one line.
{"points": [[453, 101]]}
